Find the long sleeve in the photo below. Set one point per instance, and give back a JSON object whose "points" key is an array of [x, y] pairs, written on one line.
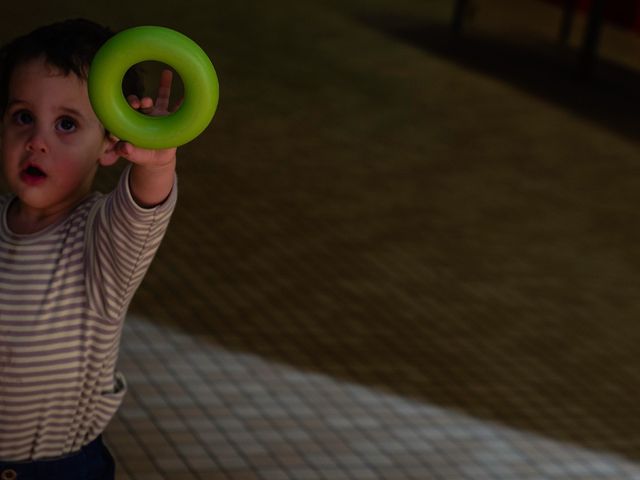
{"points": [[122, 239]]}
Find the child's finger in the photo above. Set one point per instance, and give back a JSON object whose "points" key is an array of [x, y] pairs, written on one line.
{"points": [[123, 149], [164, 90], [134, 101], [146, 104]]}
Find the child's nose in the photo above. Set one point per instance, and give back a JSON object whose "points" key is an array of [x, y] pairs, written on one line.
{"points": [[37, 143]]}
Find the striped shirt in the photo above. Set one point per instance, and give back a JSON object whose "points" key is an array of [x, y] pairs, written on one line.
{"points": [[64, 292]]}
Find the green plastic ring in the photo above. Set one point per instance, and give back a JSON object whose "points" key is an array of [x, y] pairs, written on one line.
{"points": [[139, 44]]}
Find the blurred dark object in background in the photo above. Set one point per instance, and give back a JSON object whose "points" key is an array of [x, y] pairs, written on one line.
{"points": [[624, 13]]}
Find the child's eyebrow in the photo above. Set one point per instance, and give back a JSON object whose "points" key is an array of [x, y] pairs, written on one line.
{"points": [[14, 101], [72, 111], [67, 110]]}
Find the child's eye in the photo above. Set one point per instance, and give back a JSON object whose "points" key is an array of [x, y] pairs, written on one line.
{"points": [[66, 124], [23, 117]]}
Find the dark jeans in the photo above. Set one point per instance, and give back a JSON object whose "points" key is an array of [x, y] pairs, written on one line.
{"points": [[93, 462]]}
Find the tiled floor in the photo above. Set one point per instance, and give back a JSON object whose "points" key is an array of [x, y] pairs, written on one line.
{"points": [[198, 411]]}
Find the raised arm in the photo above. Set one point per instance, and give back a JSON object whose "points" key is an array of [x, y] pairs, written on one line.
{"points": [[153, 171]]}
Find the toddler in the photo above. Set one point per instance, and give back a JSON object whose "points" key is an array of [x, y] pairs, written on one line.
{"points": [[70, 258]]}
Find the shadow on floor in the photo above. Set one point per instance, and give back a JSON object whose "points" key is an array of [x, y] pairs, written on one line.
{"points": [[609, 95]]}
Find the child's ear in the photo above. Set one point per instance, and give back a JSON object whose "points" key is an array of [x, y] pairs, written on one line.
{"points": [[109, 154]]}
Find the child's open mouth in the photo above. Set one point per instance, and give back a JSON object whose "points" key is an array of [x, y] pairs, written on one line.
{"points": [[32, 175]]}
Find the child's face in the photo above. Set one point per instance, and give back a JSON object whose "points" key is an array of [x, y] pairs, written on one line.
{"points": [[52, 141]]}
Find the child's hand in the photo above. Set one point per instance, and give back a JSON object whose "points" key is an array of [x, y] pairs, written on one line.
{"points": [[152, 175], [147, 157]]}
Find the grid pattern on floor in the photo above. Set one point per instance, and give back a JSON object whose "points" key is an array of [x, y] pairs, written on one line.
{"points": [[196, 410]]}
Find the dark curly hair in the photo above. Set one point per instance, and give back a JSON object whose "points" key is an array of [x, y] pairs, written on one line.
{"points": [[69, 45]]}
